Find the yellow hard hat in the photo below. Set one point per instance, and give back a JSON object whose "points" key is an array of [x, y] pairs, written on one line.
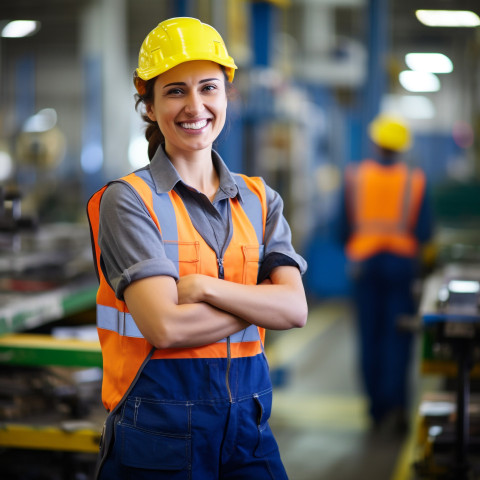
{"points": [[390, 132], [180, 40]]}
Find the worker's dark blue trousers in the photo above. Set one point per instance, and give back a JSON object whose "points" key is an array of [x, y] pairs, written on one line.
{"points": [[383, 293], [178, 423]]}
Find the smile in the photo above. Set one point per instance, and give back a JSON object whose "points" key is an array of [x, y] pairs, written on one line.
{"points": [[194, 126]]}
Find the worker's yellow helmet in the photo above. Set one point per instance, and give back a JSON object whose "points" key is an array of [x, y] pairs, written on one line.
{"points": [[390, 132], [180, 40]]}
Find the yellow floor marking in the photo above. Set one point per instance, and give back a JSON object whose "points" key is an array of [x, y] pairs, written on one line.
{"points": [[289, 344], [39, 341], [307, 411], [404, 468], [49, 438]]}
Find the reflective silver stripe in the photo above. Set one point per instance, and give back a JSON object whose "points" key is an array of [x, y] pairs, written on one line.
{"points": [[163, 208], [109, 318], [252, 206], [250, 334]]}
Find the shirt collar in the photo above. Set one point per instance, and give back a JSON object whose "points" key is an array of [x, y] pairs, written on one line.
{"points": [[165, 176]]}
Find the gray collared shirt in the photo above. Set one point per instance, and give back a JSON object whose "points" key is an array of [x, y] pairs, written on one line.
{"points": [[132, 246]]}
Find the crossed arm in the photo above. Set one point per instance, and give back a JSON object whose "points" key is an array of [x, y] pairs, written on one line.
{"points": [[198, 310]]}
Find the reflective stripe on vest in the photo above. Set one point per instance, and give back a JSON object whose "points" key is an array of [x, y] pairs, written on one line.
{"points": [[383, 203], [123, 346]]}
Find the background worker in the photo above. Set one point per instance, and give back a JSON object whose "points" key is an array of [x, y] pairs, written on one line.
{"points": [[385, 218], [194, 264]]}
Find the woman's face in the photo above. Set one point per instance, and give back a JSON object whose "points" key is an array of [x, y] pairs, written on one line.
{"points": [[190, 105]]}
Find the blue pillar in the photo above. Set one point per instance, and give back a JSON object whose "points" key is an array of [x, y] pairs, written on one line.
{"points": [[262, 32], [92, 155], [24, 88], [378, 44], [181, 8]]}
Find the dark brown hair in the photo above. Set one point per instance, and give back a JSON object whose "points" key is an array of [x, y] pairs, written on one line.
{"points": [[153, 134]]}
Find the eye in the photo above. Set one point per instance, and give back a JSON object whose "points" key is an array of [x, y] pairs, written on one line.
{"points": [[174, 91], [209, 87]]}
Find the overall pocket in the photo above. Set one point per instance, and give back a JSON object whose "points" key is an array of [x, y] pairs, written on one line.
{"points": [[155, 435], [266, 441]]}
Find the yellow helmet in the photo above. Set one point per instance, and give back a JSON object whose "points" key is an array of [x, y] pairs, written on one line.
{"points": [[180, 40], [390, 132]]}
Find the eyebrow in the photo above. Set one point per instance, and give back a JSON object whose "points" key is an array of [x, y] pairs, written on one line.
{"points": [[183, 83]]}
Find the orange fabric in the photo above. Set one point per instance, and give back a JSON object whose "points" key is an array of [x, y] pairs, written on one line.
{"points": [[123, 355], [205, 261], [384, 203], [144, 190], [130, 354], [214, 350]]}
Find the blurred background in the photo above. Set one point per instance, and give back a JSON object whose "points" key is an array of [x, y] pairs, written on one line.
{"points": [[312, 75]]}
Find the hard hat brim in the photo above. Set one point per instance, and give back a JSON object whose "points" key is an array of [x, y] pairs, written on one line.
{"points": [[148, 74]]}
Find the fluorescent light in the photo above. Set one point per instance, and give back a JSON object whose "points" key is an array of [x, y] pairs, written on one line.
{"points": [[435, 430], [6, 164], [419, 81], [20, 28], [42, 121], [448, 18], [138, 152], [417, 107], [429, 62], [410, 107], [91, 158], [464, 286]]}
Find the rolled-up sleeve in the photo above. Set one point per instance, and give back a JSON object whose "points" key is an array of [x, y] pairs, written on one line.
{"points": [[130, 243], [278, 236]]}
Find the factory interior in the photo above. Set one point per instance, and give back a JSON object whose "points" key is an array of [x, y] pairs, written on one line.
{"points": [[312, 75]]}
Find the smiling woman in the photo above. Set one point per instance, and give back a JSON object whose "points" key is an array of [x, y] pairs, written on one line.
{"points": [[190, 113], [196, 262]]}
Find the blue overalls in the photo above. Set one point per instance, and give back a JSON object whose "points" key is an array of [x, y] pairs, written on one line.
{"points": [[191, 418]]}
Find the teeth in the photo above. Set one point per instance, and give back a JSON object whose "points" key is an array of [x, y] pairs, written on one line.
{"points": [[194, 126]]}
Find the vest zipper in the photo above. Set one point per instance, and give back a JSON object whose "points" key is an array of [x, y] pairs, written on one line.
{"points": [[220, 268], [229, 358]]}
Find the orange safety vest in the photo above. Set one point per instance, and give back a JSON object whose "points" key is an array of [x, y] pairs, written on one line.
{"points": [[383, 203], [124, 348]]}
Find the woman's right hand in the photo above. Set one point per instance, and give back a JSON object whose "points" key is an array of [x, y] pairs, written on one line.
{"points": [[190, 288]]}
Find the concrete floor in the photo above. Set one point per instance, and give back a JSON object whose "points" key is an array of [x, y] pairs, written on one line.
{"points": [[319, 413]]}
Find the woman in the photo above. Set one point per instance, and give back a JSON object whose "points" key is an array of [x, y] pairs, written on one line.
{"points": [[194, 263]]}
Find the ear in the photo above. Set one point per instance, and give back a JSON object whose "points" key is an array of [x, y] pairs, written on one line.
{"points": [[150, 113]]}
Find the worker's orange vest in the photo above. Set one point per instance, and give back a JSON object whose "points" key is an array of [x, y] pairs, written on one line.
{"points": [[124, 348], [383, 204]]}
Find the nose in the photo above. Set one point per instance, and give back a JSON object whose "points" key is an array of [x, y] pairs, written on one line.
{"points": [[194, 104]]}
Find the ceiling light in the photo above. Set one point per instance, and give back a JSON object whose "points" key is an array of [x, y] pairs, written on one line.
{"points": [[417, 107], [429, 62], [448, 18], [410, 107], [138, 152], [20, 28], [464, 286], [419, 81], [42, 121]]}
